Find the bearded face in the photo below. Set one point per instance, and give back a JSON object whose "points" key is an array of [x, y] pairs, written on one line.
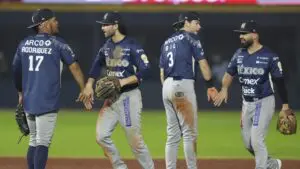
{"points": [[246, 40], [109, 30]]}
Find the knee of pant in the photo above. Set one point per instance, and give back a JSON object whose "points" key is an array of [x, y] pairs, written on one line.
{"points": [[188, 136], [137, 143], [43, 142], [173, 138], [247, 145], [32, 140], [256, 144], [101, 138]]}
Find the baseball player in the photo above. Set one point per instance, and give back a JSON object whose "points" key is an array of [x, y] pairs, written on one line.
{"points": [[256, 67], [37, 68], [181, 55], [125, 59]]}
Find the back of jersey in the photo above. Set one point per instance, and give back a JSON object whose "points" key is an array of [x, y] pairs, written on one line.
{"points": [[41, 57], [179, 53]]}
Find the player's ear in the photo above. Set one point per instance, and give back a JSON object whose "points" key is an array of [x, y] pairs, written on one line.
{"points": [[44, 25], [186, 23], [255, 36], [116, 26]]}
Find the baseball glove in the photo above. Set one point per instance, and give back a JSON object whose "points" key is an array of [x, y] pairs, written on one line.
{"points": [[21, 121], [287, 122], [108, 87]]}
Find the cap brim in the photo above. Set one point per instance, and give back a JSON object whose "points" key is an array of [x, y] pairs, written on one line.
{"points": [[241, 31], [103, 22], [33, 25]]}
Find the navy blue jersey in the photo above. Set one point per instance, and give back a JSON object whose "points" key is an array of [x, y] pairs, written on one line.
{"points": [[122, 59], [37, 68], [255, 71], [179, 53]]}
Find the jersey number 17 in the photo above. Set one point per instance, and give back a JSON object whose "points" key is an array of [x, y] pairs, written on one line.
{"points": [[35, 62]]}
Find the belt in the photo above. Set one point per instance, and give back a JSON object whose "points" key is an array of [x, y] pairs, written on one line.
{"points": [[177, 78], [253, 99]]}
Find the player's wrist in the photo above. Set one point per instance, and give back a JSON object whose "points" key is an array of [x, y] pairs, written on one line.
{"points": [[224, 89], [90, 83], [285, 107], [209, 83]]}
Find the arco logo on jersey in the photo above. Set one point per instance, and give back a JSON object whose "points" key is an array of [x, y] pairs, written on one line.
{"points": [[32, 42], [250, 70], [174, 39]]}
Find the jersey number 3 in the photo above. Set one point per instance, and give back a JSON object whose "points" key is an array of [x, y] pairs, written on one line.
{"points": [[171, 59], [35, 62]]}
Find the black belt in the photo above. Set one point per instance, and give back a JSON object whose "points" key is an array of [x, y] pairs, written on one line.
{"points": [[180, 78], [253, 99], [177, 78]]}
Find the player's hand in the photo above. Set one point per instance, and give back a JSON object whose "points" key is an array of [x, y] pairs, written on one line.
{"points": [[211, 93], [81, 97], [20, 97], [222, 96], [88, 95], [88, 105]]}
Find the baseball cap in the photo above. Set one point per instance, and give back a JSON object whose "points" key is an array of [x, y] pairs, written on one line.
{"points": [[40, 16], [247, 27], [111, 18], [188, 16]]}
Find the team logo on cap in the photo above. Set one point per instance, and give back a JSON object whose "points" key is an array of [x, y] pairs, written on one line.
{"points": [[243, 25], [105, 16]]}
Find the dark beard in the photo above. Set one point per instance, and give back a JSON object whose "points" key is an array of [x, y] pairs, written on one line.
{"points": [[247, 44], [111, 35]]}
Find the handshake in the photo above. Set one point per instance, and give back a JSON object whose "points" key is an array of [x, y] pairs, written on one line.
{"points": [[107, 88], [217, 97]]}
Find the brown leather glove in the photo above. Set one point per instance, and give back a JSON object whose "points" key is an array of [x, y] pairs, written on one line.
{"points": [[108, 88], [287, 122]]}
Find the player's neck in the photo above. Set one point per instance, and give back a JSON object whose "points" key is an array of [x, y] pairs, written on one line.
{"points": [[117, 37], [254, 47], [45, 30]]}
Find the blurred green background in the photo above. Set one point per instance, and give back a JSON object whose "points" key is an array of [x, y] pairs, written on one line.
{"points": [[219, 136]]}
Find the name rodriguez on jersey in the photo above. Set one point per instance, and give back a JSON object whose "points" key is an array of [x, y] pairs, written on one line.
{"points": [[37, 46]]}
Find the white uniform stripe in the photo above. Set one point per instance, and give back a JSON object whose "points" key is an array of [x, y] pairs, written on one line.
{"points": [[193, 65], [271, 82], [61, 66]]}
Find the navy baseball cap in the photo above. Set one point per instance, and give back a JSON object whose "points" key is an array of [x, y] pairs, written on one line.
{"points": [[247, 27], [188, 16], [40, 16], [111, 18]]}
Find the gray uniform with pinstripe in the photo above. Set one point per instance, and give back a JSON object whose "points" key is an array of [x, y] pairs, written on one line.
{"points": [[255, 72], [180, 54], [123, 59]]}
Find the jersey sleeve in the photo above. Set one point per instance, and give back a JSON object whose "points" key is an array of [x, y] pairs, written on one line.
{"points": [[98, 62], [140, 61], [232, 66], [276, 67], [67, 55], [17, 70], [198, 52]]}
